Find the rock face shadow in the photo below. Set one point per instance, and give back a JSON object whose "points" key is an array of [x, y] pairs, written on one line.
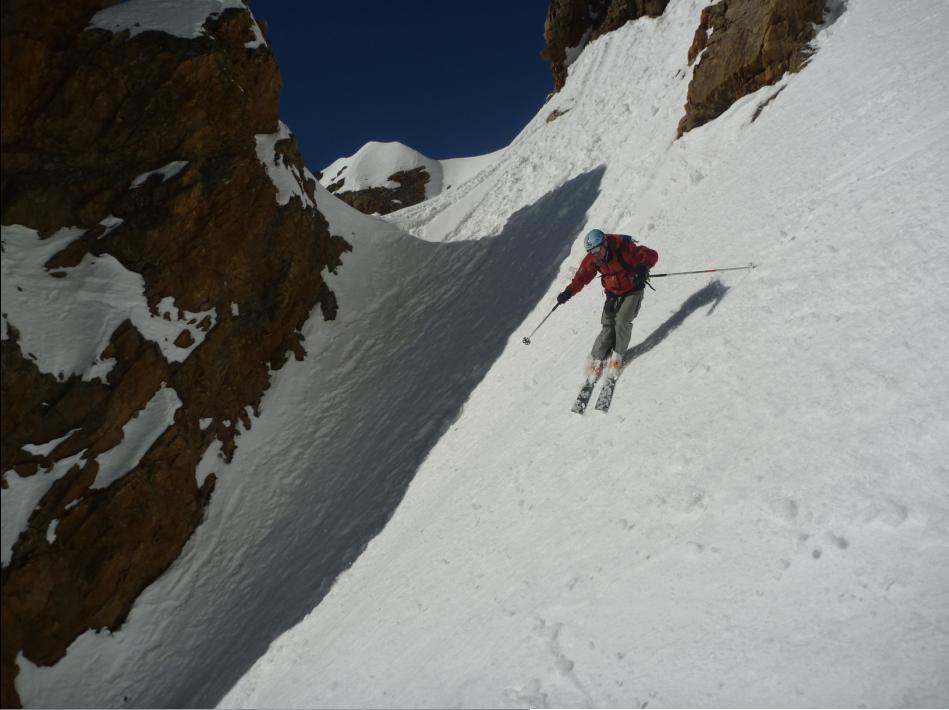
{"points": [[460, 301], [712, 294]]}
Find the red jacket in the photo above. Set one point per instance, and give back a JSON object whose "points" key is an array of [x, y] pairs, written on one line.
{"points": [[617, 273]]}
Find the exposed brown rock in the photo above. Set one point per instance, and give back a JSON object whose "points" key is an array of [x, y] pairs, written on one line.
{"points": [[573, 23], [383, 200], [83, 114], [555, 114], [184, 339], [747, 44]]}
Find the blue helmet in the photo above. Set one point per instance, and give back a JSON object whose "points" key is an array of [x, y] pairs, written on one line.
{"points": [[593, 239]]}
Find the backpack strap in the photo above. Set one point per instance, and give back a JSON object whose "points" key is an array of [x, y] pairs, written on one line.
{"points": [[627, 240]]}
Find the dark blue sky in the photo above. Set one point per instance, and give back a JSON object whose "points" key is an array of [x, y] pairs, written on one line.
{"points": [[449, 78]]}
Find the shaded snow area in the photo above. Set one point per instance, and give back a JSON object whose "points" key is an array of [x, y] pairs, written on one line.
{"points": [[762, 519], [374, 163]]}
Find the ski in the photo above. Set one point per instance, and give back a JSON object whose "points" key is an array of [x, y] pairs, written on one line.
{"points": [[583, 399], [606, 395], [609, 384], [586, 391]]}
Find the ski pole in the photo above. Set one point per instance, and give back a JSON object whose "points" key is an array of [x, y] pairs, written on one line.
{"points": [[703, 271], [527, 340]]}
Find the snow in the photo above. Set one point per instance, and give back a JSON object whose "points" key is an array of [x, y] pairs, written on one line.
{"points": [[166, 171], [170, 16], [174, 17], [285, 177], [46, 308], [197, 323], [110, 223], [375, 162], [762, 519], [21, 496], [47, 448], [571, 53], [211, 461], [456, 171], [66, 317], [138, 435], [51, 531], [259, 39]]}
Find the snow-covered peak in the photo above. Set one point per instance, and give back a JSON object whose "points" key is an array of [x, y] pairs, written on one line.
{"points": [[376, 162]]}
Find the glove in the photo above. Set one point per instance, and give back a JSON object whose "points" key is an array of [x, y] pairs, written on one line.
{"points": [[641, 276], [563, 297]]}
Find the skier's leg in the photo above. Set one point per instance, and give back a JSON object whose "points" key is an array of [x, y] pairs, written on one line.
{"points": [[605, 340], [625, 316]]}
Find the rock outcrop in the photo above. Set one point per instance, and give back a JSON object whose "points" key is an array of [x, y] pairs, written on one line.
{"points": [[570, 24], [744, 45], [383, 200], [163, 154]]}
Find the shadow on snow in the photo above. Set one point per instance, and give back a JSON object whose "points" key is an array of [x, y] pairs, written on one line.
{"points": [[413, 360], [712, 293]]}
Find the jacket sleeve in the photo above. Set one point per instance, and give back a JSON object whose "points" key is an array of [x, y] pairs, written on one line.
{"points": [[584, 275], [637, 254]]}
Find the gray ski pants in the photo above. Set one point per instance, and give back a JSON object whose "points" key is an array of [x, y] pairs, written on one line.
{"points": [[617, 320]]}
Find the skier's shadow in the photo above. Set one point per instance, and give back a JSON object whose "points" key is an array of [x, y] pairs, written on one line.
{"points": [[713, 293]]}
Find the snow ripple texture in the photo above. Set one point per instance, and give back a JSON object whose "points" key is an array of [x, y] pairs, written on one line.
{"points": [[762, 519]]}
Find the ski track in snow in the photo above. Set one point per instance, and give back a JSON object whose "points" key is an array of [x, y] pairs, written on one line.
{"points": [[761, 519]]}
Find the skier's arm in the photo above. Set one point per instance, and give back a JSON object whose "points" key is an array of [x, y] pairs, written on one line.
{"points": [[642, 259], [584, 275]]}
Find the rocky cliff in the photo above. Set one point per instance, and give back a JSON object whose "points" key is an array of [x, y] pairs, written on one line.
{"points": [[155, 158], [744, 45], [740, 45], [570, 24]]}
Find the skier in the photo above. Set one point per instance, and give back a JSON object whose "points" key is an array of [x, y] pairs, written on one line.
{"points": [[624, 267]]}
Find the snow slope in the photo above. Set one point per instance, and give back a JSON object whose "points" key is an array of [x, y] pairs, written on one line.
{"points": [[372, 165], [324, 467], [763, 517]]}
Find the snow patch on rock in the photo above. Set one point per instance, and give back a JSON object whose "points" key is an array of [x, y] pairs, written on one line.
{"points": [[286, 177], [174, 17], [138, 434]]}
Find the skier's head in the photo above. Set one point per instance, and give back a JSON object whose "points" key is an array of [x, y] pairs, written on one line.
{"points": [[593, 240]]}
